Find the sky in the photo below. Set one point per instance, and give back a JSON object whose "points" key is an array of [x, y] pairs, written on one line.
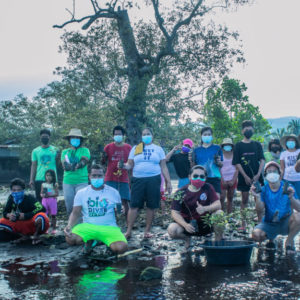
{"points": [[269, 30]]}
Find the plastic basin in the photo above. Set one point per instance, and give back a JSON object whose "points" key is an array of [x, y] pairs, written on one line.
{"points": [[228, 252]]}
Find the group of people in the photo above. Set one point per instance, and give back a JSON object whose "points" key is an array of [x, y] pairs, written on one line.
{"points": [[208, 175]]}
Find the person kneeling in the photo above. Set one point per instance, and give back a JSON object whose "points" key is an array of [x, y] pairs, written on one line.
{"points": [[97, 203], [23, 215], [279, 217], [192, 202]]}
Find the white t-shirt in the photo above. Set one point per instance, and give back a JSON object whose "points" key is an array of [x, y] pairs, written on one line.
{"points": [[290, 159], [147, 164], [98, 206]]}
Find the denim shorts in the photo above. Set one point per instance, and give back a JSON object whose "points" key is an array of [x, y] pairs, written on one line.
{"points": [[272, 229], [121, 187], [182, 182], [145, 189]]}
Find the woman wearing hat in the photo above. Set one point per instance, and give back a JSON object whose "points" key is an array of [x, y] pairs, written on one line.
{"points": [[181, 161], [288, 161], [229, 174], [74, 161]]}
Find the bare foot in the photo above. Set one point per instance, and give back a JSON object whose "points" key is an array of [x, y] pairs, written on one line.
{"points": [[148, 235]]}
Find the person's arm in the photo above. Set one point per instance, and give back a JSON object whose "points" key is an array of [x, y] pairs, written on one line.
{"points": [[55, 190], [282, 167], [33, 173], [7, 214], [234, 178], [127, 166], [169, 155], [259, 204], [260, 169], [241, 170], [36, 207], [297, 166], [75, 214], [295, 203], [177, 217], [82, 163], [165, 172], [216, 205]]}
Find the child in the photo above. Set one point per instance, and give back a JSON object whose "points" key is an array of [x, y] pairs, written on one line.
{"points": [[49, 192]]}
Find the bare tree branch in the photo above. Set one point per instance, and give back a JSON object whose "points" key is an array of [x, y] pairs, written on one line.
{"points": [[159, 19]]}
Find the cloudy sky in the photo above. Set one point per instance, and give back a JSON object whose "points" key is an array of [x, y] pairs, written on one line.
{"points": [[269, 30]]}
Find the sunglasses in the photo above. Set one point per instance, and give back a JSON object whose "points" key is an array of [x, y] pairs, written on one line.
{"points": [[196, 176]]}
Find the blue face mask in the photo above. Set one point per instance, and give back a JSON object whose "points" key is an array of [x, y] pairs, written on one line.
{"points": [[118, 138], [75, 142], [227, 148], [97, 182], [147, 139], [291, 144], [207, 139], [18, 196]]}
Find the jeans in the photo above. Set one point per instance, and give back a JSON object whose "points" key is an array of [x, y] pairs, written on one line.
{"points": [[70, 191]]}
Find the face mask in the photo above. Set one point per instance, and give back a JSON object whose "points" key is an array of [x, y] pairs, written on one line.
{"points": [[275, 155], [97, 182], [75, 142], [18, 196], [118, 138], [227, 148], [185, 149], [147, 139], [45, 140], [275, 149], [291, 144], [272, 177], [207, 139], [198, 183], [248, 133]]}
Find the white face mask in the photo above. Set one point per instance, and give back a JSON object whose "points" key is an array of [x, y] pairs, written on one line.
{"points": [[272, 177]]}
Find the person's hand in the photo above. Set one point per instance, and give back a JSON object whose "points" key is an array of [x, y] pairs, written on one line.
{"points": [[291, 192], [218, 161], [253, 191], [67, 231], [169, 187], [200, 209], [256, 177], [230, 183], [248, 180], [67, 166], [31, 184], [189, 228], [12, 217], [224, 184], [21, 216], [177, 147]]}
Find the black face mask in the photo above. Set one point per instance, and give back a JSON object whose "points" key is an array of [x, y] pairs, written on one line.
{"points": [[45, 140], [248, 133], [275, 149]]}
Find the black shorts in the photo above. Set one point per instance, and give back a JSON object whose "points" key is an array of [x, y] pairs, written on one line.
{"points": [[145, 189], [242, 185], [203, 229], [215, 182]]}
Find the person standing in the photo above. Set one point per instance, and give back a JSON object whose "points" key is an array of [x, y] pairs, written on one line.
{"points": [[249, 159], [210, 156], [181, 161], [274, 152], [115, 177], [74, 161], [229, 175], [288, 160], [43, 158], [147, 161]]}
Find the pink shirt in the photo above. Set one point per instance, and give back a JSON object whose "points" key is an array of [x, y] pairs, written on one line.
{"points": [[228, 170]]}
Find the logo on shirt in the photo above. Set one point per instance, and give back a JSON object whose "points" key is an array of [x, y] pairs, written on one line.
{"points": [[203, 197], [45, 160], [97, 208], [147, 153]]}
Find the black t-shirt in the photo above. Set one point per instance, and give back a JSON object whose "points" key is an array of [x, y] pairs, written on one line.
{"points": [[181, 163], [248, 155]]}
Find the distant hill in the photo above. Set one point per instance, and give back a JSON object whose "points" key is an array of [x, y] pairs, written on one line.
{"points": [[281, 122]]}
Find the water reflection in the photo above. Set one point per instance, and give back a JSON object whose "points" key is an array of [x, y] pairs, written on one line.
{"points": [[95, 284]]}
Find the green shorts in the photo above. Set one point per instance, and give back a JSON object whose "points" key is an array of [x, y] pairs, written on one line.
{"points": [[102, 233]]}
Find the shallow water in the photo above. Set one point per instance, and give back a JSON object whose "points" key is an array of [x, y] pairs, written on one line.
{"points": [[185, 276]]}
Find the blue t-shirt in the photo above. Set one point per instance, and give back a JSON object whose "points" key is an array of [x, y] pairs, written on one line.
{"points": [[275, 202], [205, 158], [98, 207], [147, 164]]}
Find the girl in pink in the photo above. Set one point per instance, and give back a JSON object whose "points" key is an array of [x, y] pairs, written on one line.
{"points": [[229, 175], [49, 193]]}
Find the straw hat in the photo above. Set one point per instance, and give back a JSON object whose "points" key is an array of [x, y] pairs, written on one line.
{"points": [[290, 136], [227, 141], [74, 132]]}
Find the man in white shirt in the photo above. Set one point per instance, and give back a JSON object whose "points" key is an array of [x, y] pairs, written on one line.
{"points": [[97, 203]]}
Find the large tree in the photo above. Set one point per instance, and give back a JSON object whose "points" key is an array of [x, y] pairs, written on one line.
{"points": [[154, 68]]}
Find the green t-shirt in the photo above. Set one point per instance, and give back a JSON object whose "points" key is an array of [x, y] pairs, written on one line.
{"points": [[74, 156], [45, 158], [269, 157]]}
